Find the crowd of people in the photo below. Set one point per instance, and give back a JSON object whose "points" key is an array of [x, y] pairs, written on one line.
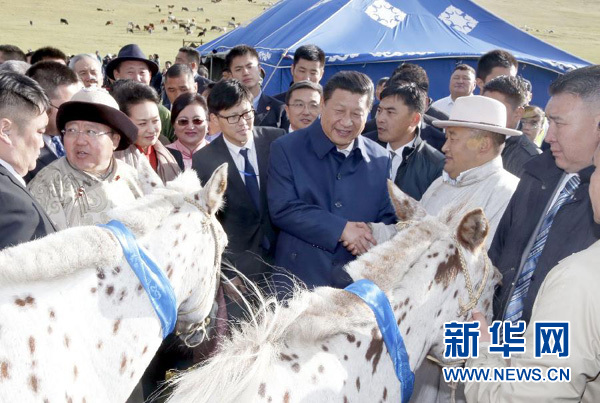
{"points": [[308, 172]]}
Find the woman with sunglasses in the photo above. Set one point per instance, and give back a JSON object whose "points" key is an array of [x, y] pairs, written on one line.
{"points": [[79, 188], [140, 103], [188, 116]]}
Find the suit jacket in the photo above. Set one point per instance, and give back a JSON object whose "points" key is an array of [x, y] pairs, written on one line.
{"points": [[313, 191], [421, 165], [22, 219], [572, 230], [46, 157], [245, 226], [433, 136], [517, 151], [270, 112]]}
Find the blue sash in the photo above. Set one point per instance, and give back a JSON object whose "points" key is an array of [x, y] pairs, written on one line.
{"points": [[380, 305], [156, 284]]}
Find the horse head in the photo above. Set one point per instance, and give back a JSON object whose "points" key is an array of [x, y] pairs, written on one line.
{"points": [[176, 223]]}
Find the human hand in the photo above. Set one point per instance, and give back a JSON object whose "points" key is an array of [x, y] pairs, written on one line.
{"points": [[357, 237]]}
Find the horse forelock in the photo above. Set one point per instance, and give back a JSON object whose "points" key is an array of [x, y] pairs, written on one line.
{"points": [[187, 182]]}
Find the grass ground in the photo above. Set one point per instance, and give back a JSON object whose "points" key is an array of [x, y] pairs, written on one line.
{"points": [[573, 23]]}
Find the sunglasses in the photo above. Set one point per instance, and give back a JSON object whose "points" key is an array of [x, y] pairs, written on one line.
{"points": [[185, 121]]}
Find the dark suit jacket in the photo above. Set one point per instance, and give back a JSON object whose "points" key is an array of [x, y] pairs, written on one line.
{"points": [[46, 157], [22, 219], [517, 151], [313, 192], [178, 157], [244, 225], [421, 165], [434, 137], [270, 112], [281, 96]]}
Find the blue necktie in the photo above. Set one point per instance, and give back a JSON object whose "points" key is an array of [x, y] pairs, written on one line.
{"points": [[60, 150], [514, 311], [250, 179]]}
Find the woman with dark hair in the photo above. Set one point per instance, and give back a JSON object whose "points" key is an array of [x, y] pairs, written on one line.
{"points": [[140, 103], [189, 118]]}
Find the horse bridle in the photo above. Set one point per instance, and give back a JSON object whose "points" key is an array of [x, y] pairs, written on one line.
{"points": [[201, 326]]}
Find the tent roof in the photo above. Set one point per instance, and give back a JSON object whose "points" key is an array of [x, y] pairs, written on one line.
{"points": [[371, 31]]}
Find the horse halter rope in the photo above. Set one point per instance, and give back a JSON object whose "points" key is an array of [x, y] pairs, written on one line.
{"points": [[201, 326]]}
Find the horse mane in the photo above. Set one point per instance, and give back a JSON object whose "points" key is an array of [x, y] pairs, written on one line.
{"points": [[256, 344]]}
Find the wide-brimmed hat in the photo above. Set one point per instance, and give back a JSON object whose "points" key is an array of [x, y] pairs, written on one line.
{"points": [[130, 52], [478, 112], [96, 105]]}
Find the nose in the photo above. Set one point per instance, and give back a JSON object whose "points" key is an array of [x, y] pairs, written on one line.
{"points": [[445, 147]]}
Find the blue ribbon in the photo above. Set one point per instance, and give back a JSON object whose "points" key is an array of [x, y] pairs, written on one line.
{"points": [[154, 281], [380, 305]]}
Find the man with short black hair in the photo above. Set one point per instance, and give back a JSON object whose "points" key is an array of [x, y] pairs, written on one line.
{"points": [[243, 63], [303, 104], [23, 119], [245, 217], [325, 183], [11, 52], [179, 79], [493, 64], [415, 164], [519, 149], [462, 84], [49, 54], [59, 83], [309, 64], [191, 58]]}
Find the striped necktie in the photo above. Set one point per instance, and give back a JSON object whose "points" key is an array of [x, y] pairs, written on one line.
{"points": [[60, 150], [514, 311]]}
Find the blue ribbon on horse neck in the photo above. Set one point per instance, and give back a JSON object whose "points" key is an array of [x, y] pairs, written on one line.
{"points": [[154, 281], [380, 305]]}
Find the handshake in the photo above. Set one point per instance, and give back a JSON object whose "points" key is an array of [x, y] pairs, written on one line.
{"points": [[359, 237]]}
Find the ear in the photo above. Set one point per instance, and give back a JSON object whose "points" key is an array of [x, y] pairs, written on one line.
{"points": [[519, 112], [416, 119], [287, 110], [5, 125], [214, 189], [147, 177], [195, 87], [472, 230], [214, 122], [480, 84], [406, 207]]}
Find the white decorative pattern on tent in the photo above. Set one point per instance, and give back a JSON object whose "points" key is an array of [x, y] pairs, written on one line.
{"points": [[385, 14], [264, 56], [458, 20]]}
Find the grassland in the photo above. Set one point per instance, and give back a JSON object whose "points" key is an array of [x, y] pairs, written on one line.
{"points": [[570, 25]]}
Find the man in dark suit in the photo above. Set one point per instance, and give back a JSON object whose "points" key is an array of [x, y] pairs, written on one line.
{"points": [[242, 61], [60, 83], [23, 119], [326, 183], [309, 64], [245, 217], [415, 164], [550, 216]]}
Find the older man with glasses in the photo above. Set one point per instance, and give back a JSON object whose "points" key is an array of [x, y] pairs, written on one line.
{"points": [[245, 217]]}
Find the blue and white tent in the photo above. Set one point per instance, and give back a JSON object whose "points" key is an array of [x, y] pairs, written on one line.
{"points": [[374, 36]]}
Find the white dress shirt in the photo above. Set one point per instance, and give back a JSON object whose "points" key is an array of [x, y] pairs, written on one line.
{"points": [[12, 171], [396, 156], [238, 158], [346, 151]]}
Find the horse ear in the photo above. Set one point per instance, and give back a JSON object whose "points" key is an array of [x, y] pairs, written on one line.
{"points": [[473, 230], [149, 179], [214, 189], [406, 207]]}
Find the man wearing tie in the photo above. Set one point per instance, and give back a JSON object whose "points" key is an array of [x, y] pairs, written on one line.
{"points": [[23, 120], [59, 83], [245, 217], [550, 216], [415, 164]]}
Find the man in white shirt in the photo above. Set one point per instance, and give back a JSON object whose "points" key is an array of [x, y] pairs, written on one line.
{"points": [[303, 104], [462, 84], [60, 83], [245, 217], [23, 120]]}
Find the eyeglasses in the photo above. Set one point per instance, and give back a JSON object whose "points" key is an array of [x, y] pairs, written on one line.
{"points": [[90, 134], [185, 121], [233, 119], [299, 106], [54, 106]]}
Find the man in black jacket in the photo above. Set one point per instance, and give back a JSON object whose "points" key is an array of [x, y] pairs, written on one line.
{"points": [[245, 217], [415, 164], [309, 64], [549, 216], [23, 120]]}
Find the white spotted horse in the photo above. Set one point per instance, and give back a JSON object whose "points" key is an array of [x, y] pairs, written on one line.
{"points": [[78, 325], [326, 346]]}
